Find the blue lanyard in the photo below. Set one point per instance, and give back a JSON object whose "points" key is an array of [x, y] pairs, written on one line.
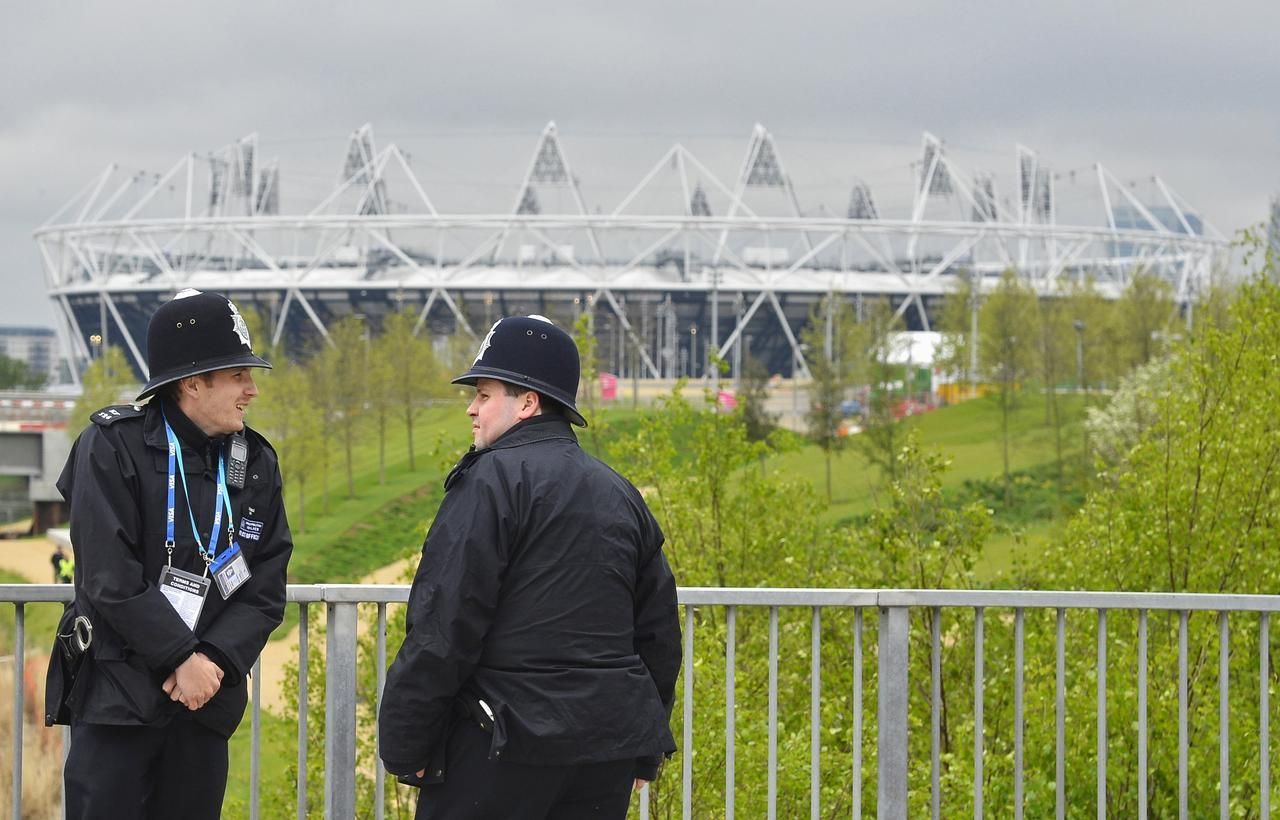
{"points": [[220, 501]]}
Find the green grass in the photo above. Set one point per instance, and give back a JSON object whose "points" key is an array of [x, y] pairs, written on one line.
{"points": [[1011, 548], [384, 522], [277, 740], [39, 621], [336, 546], [968, 434]]}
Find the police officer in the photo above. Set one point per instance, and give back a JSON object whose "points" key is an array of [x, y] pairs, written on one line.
{"points": [[182, 546], [542, 641]]}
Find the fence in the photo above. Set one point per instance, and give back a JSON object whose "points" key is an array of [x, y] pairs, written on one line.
{"points": [[893, 611]]}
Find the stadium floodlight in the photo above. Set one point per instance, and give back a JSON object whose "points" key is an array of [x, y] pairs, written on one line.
{"points": [[861, 205], [1044, 196], [548, 165], [765, 171], [268, 200], [360, 155], [984, 199], [1026, 180], [217, 177], [1035, 188], [934, 176], [242, 161], [698, 205], [529, 203]]}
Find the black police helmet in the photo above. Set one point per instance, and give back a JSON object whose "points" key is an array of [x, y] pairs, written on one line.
{"points": [[531, 353], [196, 333]]}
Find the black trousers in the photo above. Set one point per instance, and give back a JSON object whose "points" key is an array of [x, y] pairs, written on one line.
{"points": [[477, 788], [144, 772]]}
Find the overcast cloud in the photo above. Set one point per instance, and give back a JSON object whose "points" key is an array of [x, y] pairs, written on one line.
{"points": [[1187, 91]]}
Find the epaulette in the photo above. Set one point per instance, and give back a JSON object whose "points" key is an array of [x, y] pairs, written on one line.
{"points": [[110, 415]]}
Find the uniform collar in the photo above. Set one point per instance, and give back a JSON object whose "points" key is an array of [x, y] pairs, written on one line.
{"points": [[527, 431], [534, 429], [188, 432]]}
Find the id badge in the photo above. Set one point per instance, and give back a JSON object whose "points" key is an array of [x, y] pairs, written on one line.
{"points": [[186, 592], [230, 570]]}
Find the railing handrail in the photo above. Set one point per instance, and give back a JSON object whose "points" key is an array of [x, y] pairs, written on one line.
{"points": [[794, 596], [892, 647]]}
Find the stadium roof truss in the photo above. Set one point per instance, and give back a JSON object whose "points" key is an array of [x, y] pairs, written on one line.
{"points": [[215, 222]]}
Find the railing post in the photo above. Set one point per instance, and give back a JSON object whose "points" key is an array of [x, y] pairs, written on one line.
{"points": [[892, 711], [340, 712]]}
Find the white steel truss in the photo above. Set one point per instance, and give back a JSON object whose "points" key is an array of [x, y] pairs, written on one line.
{"points": [[656, 275]]}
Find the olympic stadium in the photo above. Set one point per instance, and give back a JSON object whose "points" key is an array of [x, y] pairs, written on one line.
{"points": [[688, 262]]}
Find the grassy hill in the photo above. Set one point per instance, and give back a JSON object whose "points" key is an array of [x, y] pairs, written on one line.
{"points": [[384, 522]]}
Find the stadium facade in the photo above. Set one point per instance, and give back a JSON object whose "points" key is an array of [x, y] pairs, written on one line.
{"points": [[685, 265]]}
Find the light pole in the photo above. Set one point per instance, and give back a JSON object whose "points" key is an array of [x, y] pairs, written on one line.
{"points": [[693, 351]]}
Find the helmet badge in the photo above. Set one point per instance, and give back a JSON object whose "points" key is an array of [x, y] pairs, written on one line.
{"points": [[238, 325], [485, 344]]}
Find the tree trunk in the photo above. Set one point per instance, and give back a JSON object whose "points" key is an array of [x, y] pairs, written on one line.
{"points": [[828, 454], [351, 480], [1057, 439], [382, 447], [324, 476], [1004, 427], [408, 424]]}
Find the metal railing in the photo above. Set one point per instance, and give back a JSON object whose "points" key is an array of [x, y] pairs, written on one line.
{"points": [[893, 610]]}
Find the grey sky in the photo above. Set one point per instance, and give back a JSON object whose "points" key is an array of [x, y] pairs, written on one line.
{"points": [[1187, 91]]}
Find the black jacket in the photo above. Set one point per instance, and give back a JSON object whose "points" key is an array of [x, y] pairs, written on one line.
{"points": [[115, 484], [542, 590]]}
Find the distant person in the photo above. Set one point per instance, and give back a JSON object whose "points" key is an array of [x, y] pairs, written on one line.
{"points": [[56, 559], [180, 530], [542, 640], [67, 569]]}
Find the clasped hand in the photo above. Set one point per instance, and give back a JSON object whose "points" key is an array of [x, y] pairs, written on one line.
{"points": [[194, 682]]}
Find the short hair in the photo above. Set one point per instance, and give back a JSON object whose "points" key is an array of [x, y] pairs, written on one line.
{"points": [[550, 407], [172, 391]]}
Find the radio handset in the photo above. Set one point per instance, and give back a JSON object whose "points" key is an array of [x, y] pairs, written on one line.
{"points": [[237, 460]]}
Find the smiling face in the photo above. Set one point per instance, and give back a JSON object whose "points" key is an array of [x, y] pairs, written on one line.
{"points": [[493, 411], [216, 401]]}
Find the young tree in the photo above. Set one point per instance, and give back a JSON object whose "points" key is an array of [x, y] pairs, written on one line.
{"points": [[957, 351], [105, 381], [828, 337], [1145, 314], [413, 373], [285, 413], [347, 359], [1190, 507], [1055, 345], [1006, 345], [1088, 314], [874, 366], [753, 394], [380, 378], [584, 336], [321, 383], [15, 374]]}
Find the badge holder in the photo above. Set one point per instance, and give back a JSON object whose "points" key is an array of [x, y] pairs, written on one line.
{"points": [[230, 570], [185, 591]]}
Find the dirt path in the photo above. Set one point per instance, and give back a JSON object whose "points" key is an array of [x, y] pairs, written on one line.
{"points": [[29, 558], [277, 653]]}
